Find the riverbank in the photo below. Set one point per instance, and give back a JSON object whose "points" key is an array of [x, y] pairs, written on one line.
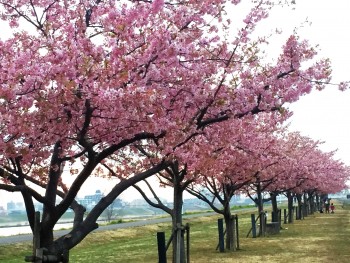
{"points": [[318, 238]]}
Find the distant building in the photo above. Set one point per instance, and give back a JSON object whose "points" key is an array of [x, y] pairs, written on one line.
{"points": [[89, 201], [15, 207], [11, 206]]}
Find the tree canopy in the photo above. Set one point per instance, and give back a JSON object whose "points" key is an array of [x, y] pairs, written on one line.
{"points": [[86, 81]]}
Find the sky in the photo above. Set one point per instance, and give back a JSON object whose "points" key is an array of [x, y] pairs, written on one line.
{"points": [[325, 115], [321, 115]]}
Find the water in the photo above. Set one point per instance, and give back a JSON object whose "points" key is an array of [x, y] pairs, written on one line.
{"points": [[22, 228]]}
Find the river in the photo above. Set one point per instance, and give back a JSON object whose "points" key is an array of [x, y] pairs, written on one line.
{"points": [[23, 228]]}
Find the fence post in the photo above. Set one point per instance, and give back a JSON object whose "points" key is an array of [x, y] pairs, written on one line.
{"points": [[39, 255], [161, 247], [237, 232], [221, 235], [263, 219], [188, 242], [280, 216], [37, 252], [265, 222], [233, 227], [253, 225]]}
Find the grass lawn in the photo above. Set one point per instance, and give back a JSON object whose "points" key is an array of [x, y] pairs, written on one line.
{"points": [[317, 238]]}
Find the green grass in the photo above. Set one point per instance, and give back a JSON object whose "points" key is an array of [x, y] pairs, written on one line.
{"points": [[15, 252], [317, 238]]}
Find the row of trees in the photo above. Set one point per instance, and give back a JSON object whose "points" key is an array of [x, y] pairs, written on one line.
{"points": [[255, 159], [132, 89]]}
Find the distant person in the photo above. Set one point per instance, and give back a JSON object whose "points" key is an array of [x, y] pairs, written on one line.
{"points": [[326, 205], [332, 208]]}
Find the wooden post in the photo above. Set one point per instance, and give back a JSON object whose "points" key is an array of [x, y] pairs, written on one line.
{"points": [[253, 225], [37, 252], [237, 233], [233, 227], [221, 235], [39, 255], [161, 247], [265, 222], [280, 216], [263, 219], [188, 242]]}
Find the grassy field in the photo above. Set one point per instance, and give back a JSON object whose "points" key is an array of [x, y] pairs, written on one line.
{"points": [[317, 238]]}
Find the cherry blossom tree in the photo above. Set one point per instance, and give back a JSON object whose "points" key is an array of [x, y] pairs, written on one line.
{"points": [[176, 178], [232, 165], [218, 165], [82, 81], [302, 171]]}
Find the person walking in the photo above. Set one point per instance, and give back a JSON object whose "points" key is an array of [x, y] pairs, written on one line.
{"points": [[326, 205], [332, 208]]}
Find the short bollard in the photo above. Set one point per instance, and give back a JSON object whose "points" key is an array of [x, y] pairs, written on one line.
{"points": [[161, 247]]}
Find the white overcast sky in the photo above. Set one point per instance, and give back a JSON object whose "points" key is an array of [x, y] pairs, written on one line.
{"points": [[320, 115], [325, 115]]}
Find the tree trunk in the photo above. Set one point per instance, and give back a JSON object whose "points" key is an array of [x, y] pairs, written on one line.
{"points": [[178, 229], [44, 245], [230, 229], [261, 211], [82, 227], [275, 211], [311, 203], [300, 205], [290, 207], [305, 207], [46, 237], [318, 204]]}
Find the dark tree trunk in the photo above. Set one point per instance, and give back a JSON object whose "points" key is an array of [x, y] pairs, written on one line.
{"points": [[290, 207], [275, 210], [300, 205], [318, 203], [178, 229], [260, 204], [82, 227], [305, 207], [311, 202]]}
